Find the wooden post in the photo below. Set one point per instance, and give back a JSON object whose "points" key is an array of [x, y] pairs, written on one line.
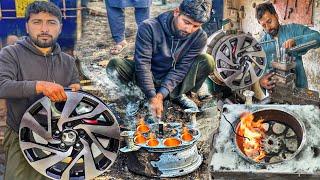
{"points": [[0, 12], [79, 20]]}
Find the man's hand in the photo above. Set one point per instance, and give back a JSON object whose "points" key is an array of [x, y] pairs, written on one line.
{"points": [[289, 43], [55, 92], [75, 87], [266, 81], [156, 105]]}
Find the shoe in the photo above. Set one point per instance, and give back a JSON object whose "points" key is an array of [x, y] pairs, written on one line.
{"points": [[187, 104], [203, 93]]}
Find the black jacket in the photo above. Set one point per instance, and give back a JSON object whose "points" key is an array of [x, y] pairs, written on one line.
{"points": [[162, 56], [21, 65]]}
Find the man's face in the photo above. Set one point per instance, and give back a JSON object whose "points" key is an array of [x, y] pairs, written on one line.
{"points": [[184, 24], [270, 23], [43, 29]]}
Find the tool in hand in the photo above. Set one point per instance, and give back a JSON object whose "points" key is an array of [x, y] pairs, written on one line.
{"points": [[290, 11], [160, 124], [285, 12]]}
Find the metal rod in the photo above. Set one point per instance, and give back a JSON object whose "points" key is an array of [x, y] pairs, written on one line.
{"points": [[161, 132], [233, 128], [0, 12], [22, 17], [64, 9]]}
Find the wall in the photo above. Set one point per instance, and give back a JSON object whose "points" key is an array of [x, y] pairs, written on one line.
{"points": [[311, 59], [250, 24]]}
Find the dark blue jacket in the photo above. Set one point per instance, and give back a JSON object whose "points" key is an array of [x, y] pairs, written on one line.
{"points": [[301, 34], [160, 54]]}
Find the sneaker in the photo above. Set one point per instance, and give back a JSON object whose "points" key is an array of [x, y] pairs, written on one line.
{"points": [[187, 104], [203, 93]]}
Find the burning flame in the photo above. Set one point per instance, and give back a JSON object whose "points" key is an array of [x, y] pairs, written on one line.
{"points": [[140, 121], [171, 142], [139, 139], [142, 127], [152, 140], [254, 133], [186, 136]]}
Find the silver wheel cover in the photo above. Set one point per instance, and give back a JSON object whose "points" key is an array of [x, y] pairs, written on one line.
{"points": [[78, 138]]}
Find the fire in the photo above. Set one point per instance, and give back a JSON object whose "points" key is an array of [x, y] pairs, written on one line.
{"points": [[152, 140], [139, 138], [142, 126], [186, 136], [254, 133]]}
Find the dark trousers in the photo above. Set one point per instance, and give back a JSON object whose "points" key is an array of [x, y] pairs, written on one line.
{"points": [[199, 71], [116, 19], [17, 167]]}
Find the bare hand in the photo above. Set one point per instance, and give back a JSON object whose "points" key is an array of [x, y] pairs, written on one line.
{"points": [[289, 43], [55, 92], [75, 87], [266, 81], [156, 105]]}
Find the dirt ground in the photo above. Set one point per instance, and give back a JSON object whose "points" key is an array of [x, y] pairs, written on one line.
{"points": [[93, 52]]}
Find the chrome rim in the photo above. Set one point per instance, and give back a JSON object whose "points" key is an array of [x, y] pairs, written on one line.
{"points": [[78, 138], [240, 60]]}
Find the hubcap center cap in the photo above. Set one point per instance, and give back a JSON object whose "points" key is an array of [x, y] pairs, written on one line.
{"points": [[69, 137]]}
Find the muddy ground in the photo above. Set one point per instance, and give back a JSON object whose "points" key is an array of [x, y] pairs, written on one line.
{"points": [[93, 52]]}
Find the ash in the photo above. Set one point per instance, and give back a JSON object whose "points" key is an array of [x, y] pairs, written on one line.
{"points": [[226, 159]]}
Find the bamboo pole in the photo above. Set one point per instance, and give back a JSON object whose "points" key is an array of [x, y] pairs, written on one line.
{"points": [[79, 20]]}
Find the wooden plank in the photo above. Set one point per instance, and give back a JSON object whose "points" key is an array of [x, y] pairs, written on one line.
{"points": [[86, 82], [79, 20]]}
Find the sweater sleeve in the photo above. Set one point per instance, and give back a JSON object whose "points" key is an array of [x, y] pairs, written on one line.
{"points": [[304, 34], [9, 86], [142, 57], [178, 73], [75, 74]]}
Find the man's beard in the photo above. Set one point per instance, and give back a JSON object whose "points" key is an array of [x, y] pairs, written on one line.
{"points": [[181, 34], [177, 32], [44, 44], [273, 32]]}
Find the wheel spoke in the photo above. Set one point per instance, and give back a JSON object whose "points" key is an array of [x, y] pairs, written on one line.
{"points": [[65, 143]]}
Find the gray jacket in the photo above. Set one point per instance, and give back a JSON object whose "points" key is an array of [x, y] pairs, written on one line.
{"points": [[21, 65]]}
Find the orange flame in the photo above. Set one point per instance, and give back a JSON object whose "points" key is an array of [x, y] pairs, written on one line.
{"points": [[186, 136], [142, 126], [171, 142], [139, 138], [152, 140], [253, 130], [141, 121]]}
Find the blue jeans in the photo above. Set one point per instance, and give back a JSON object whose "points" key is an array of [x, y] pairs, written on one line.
{"points": [[116, 18]]}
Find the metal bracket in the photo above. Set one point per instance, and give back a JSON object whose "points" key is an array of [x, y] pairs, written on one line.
{"points": [[64, 9], [0, 12]]}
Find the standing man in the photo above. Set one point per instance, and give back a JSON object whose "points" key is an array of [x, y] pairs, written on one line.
{"points": [[33, 66], [116, 19], [288, 36], [167, 60]]}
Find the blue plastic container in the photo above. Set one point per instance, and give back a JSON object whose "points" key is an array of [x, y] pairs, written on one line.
{"points": [[12, 20]]}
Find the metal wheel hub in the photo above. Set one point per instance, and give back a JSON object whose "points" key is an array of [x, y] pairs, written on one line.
{"points": [[239, 59], [284, 138], [69, 137], [76, 139]]}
